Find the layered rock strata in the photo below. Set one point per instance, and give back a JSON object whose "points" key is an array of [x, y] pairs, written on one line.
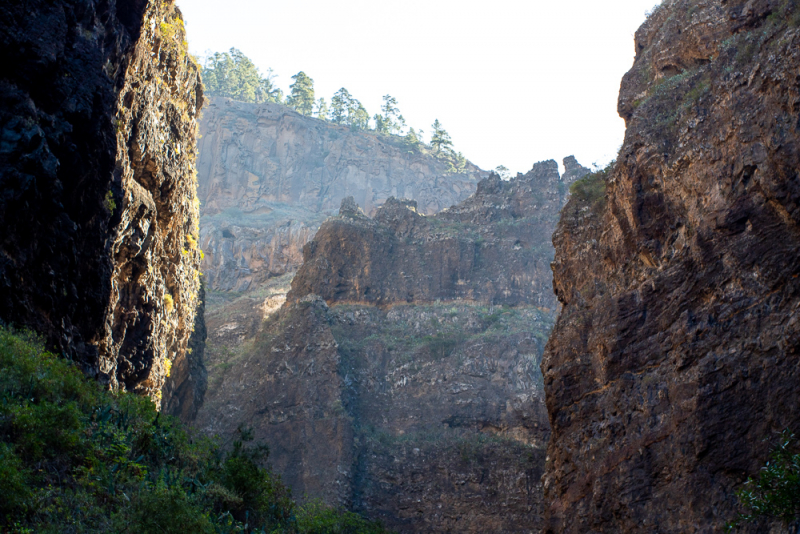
{"points": [[400, 378], [98, 218], [270, 176], [675, 358]]}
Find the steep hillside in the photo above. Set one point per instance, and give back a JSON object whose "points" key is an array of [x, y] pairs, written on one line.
{"points": [[269, 176], [675, 357], [98, 219], [75, 457], [401, 376]]}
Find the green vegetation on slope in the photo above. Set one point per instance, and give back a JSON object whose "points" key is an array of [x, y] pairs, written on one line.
{"points": [[232, 74], [77, 458], [592, 187]]}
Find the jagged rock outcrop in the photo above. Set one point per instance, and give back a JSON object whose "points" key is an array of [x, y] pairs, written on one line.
{"points": [[98, 102], [491, 248], [270, 176], [675, 357], [401, 376]]}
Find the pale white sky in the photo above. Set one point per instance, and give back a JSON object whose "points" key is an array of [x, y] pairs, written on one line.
{"points": [[512, 81]]}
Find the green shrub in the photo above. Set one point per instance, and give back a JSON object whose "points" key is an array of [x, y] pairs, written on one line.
{"points": [[263, 499], [592, 187], [315, 517], [13, 485], [164, 509], [775, 492]]}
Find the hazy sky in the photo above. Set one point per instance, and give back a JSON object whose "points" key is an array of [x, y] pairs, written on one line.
{"points": [[512, 81]]}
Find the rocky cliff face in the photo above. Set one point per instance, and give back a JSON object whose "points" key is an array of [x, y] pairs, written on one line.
{"points": [[269, 176], [185, 388], [97, 213], [401, 376], [675, 354]]}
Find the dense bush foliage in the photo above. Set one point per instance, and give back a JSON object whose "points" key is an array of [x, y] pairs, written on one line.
{"points": [[775, 492], [77, 458]]}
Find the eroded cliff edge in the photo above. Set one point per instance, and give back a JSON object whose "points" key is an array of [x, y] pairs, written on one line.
{"points": [[400, 379], [98, 211], [676, 353]]}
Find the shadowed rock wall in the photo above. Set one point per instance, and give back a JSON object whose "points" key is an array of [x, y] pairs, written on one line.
{"points": [[400, 378], [98, 106]]}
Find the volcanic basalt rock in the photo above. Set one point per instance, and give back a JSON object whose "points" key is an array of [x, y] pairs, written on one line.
{"points": [[400, 378], [269, 176], [98, 107], [675, 357]]}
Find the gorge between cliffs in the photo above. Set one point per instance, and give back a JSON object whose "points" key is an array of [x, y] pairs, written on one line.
{"points": [[233, 313]]}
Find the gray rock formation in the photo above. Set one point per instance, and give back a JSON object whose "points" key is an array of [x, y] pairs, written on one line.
{"points": [[269, 176]]}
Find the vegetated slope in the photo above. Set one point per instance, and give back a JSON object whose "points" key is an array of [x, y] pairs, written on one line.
{"points": [[77, 458], [676, 353], [268, 177], [98, 214], [401, 377]]}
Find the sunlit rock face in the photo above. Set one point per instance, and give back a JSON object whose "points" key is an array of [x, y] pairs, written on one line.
{"points": [[270, 176], [675, 357], [401, 377], [98, 211]]}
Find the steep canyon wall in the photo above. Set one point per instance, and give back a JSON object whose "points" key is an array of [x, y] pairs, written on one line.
{"points": [[270, 176], [675, 357]]}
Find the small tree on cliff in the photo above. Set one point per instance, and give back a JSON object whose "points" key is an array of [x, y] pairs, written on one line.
{"points": [[340, 106], [302, 97], [413, 139], [389, 121], [440, 139], [321, 110], [345, 109]]}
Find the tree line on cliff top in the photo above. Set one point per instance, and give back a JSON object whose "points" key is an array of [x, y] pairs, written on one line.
{"points": [[233, 75]]}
